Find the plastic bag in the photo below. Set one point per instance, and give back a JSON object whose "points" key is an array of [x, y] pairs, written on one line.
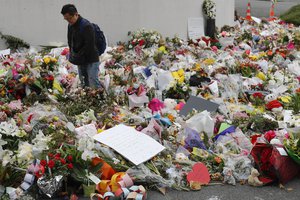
{"points": [[141, 173], [193, 139], [202, 122]]}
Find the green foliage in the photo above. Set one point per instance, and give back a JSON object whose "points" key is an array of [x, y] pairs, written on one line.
{"points": [[261, 124], [14, 43], [292, 15], [295, 103]]}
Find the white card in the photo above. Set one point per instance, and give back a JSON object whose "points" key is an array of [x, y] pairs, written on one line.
{"points": [[132, 144], [94, 178], [281, 151]]}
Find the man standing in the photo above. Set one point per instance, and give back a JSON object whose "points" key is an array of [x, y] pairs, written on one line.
{"points": [[83, 50]]}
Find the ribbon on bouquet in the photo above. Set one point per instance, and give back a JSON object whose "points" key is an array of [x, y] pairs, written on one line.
{"points": [[132, 193], [163, 120], [118, 180]]}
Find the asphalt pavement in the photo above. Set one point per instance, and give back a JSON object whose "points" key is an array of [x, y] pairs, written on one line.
{"points": [[291, 191]]}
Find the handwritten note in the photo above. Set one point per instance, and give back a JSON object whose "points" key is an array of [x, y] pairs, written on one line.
{"points": [[195, 28], [130, 143]]}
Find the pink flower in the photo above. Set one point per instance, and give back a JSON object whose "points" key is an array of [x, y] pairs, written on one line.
{"points": [[155, 105], [179, 106], [290, 46]]}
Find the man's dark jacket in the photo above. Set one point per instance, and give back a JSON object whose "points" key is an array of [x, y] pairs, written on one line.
{"points": [[81, 40]]}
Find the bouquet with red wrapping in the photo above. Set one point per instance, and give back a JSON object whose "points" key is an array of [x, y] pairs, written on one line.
{"points": [[274, 163]]}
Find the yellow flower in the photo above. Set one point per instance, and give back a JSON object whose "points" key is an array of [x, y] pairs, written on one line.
{"points": [[253, 57], [47, 60], [56, 85], [179, 76], [100, 130], [286, 99], [23, 79], [262, 54], [261, 76], [163, 49], [54, 60], [197, 67], [209, 61]]}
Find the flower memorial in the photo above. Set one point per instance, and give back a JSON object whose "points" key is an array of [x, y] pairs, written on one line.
{"points": [[250, 134], [209, 9]]}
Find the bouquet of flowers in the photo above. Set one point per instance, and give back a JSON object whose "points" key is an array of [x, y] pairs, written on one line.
{"points": [[178, 91], [209, 9], [143, 38]]}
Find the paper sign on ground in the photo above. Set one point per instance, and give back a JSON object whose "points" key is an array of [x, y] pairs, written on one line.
{"points": [[130, 143], [198, 104], [195, 28]]}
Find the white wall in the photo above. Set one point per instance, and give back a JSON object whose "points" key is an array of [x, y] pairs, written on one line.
{"points": [[39, 22]]}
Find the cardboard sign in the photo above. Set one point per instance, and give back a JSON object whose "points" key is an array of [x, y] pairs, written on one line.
{"points": [[198, 104]]}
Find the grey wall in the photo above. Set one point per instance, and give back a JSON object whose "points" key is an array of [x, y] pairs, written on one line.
{"points": [[39, 22]]}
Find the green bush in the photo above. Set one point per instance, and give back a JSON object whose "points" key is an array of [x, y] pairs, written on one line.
{"points": [[292, 15]]}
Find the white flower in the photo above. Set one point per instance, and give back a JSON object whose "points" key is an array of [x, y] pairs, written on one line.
{"points": [[25, 152], [40, 142], [116, 161], [6, 157], [85, 143], [184, 88], [21, 133], [87, 154], [9, 128]]}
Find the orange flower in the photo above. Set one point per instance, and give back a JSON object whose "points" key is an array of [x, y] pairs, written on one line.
{"points": [[270, 53], [218, 159], [171, 117]]}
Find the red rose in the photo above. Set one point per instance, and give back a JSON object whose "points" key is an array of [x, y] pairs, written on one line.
{"points": [[141, 42], [70, 166], [254, 138], [63, 161], [43, 163], [258, 95], [49, 78], [51, 164], [269, 135], [29, 118], [57, 156], [50, 155], [273, 104], [69, 158]]}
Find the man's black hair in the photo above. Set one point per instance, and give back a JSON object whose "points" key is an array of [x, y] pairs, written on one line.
{"points": [[68, 8]]}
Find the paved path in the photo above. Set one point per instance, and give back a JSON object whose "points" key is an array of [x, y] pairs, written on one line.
{"points": [[238, 192]]}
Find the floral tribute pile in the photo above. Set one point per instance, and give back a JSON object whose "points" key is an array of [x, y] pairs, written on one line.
{"points": [[251, 71]]}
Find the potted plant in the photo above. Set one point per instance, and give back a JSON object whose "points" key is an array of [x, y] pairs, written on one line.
{"points": [[209, 10]]}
